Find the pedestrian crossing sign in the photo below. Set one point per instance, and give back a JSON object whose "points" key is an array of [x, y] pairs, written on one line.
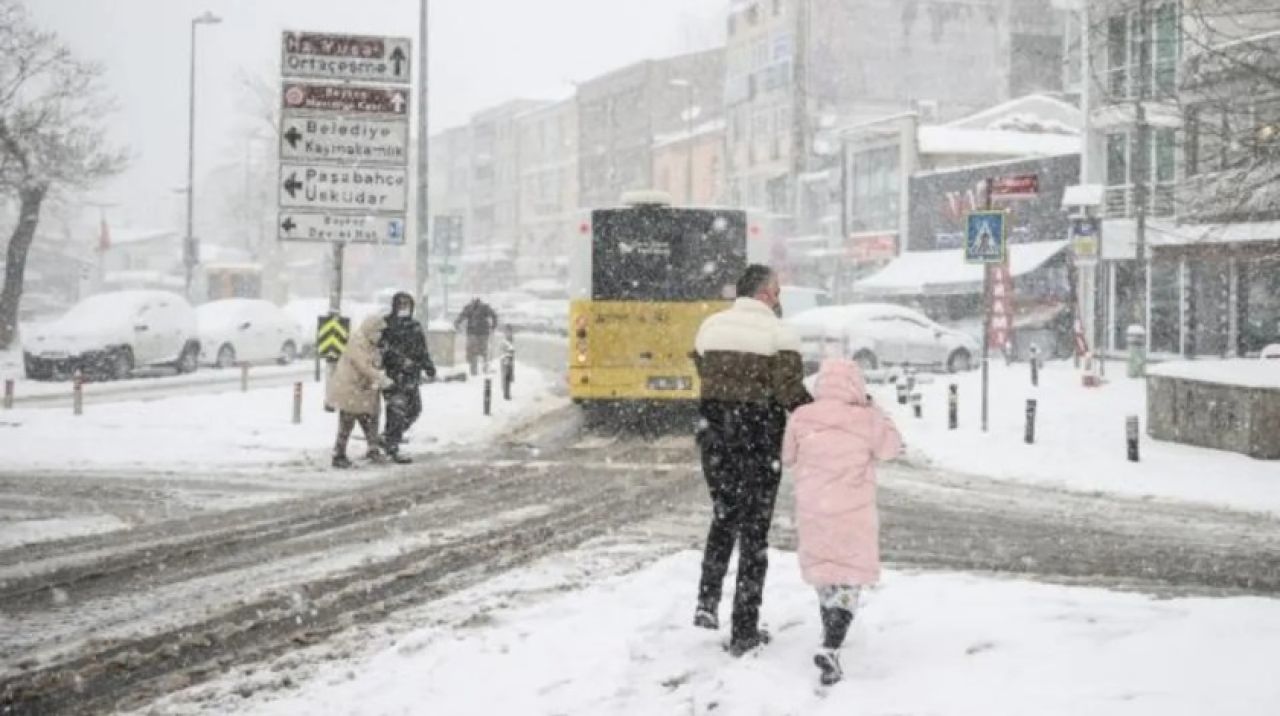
{"points": [[986, 240]]}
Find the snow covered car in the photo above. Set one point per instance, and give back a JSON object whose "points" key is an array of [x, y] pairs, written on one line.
{"points": [[880, 334], [543, 315], [111, 334], [798, 299], [246, 330]]}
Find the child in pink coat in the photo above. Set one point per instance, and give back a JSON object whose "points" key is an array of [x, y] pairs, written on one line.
{"points": [[831, 447]]}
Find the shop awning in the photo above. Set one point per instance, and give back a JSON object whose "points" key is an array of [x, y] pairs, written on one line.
{"points": [[945, 273]]}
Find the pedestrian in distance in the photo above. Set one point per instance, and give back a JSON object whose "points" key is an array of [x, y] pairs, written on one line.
{"points": [[752, 376], [831, 448], [481, 321], [406, 361], [353, 390]]}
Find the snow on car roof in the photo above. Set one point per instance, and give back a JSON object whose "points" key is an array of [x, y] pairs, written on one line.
{"points": [[101, 308], [838, 318], [227, 309]]}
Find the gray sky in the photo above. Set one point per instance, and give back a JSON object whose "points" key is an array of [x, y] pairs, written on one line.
{"points": [[482, 52]]}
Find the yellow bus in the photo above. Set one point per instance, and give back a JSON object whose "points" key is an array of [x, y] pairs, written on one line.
{"points": [[641, 282]]}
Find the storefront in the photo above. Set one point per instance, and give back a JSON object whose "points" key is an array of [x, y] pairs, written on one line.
{"points": [[1214, 289]]}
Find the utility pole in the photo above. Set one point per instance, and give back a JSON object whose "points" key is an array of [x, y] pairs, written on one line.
{"points": [[1142, 166], [422, 248], [800, 111]]}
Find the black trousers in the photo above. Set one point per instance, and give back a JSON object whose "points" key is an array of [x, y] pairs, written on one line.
{"points": [[404, 405], [741, 447]]}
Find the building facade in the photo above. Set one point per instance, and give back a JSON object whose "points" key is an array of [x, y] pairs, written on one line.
{"points": [[623, 113], [548, 147], [798, 70], [689, 166], [1184, 145]]}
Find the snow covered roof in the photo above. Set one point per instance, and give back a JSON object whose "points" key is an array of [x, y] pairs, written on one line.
{"points": [[1165, 233], [1243, 373], [915, 273], [989, 142], [1031, 110]]}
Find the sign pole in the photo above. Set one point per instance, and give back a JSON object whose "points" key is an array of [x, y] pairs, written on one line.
{"points": [[986, 323], [423, 248], [335, 280]]}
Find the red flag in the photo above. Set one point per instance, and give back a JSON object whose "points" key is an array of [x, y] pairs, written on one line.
{"points": [[104, 236]]}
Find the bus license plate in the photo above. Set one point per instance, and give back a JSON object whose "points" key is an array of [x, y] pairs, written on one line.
{"points": [[671, 383]]}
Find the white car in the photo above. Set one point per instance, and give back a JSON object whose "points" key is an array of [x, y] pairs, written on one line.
{"points": [[798, 299], [880, 334], [111, 334], [543, 315], [246, 330]]}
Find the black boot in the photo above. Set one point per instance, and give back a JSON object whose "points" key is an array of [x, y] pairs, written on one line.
{"points": [[835, 626], [742, 645], [341, 462], [705, 617], [828, 661], [393, 452]]}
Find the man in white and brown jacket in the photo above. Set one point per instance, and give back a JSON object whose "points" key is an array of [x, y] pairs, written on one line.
{"points": [[752, 376]]}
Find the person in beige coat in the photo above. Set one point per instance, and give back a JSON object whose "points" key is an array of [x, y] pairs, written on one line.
{"points": [[354, 387]]}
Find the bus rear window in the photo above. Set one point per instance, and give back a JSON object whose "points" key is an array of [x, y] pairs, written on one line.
{"points": [[666, 254]]}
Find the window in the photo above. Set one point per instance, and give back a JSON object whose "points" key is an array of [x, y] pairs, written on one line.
{"points": [[1117, 159], [1125, 37], [1118, 56]]}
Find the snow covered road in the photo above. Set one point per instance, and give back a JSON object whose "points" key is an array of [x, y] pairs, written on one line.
{"points": [[118, 620]]}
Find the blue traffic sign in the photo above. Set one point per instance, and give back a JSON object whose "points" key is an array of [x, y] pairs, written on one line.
{"points": [[986, 241]]}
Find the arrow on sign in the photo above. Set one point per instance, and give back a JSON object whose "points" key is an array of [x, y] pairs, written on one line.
{"points": [[397, 56], [293, 135], [292, 185], [289, 225], [397, 102]]}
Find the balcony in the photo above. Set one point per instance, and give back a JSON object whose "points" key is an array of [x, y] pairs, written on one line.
{"points": [[1119, 201]]}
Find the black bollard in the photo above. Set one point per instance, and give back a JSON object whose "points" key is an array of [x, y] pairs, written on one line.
{"points": [[508, 377], [1131, 433], [953, 407], [916, 406], [1031, 421], [488, 394], [1035, 366], [902, 392]]}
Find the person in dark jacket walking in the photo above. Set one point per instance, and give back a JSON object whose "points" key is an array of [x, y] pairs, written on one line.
{"points": [[481, 321], [405, 360], [752, 376]]}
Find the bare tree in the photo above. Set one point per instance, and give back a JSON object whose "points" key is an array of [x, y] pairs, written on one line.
{"points": [[51, 136], [1231, 107]]}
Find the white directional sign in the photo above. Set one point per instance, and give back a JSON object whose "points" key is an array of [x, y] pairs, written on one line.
{"points": [[344, 138], [345, 228], [346, 57], [339, 139], [343, 188]]}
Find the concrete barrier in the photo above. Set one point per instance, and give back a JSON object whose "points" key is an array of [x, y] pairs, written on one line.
{"points": [[1239, 418]]}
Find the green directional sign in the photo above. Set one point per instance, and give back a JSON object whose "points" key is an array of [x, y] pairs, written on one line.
{"points": [[332, 333]]}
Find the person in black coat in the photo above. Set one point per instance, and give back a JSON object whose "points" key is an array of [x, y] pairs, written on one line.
{"points": [[480, 320], [405, 360]]}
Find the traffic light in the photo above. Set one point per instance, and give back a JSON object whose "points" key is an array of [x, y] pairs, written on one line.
{"points": [[447, 237]]}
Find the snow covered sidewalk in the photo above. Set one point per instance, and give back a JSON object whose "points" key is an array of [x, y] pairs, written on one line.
{"points": [[924, 643], [1080, 439], [251, 430]]}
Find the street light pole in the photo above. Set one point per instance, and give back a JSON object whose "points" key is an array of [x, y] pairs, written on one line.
{"points": [[189, 257]]}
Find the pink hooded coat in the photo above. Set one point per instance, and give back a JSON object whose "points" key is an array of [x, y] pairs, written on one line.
{"points": [[831, 446]]}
